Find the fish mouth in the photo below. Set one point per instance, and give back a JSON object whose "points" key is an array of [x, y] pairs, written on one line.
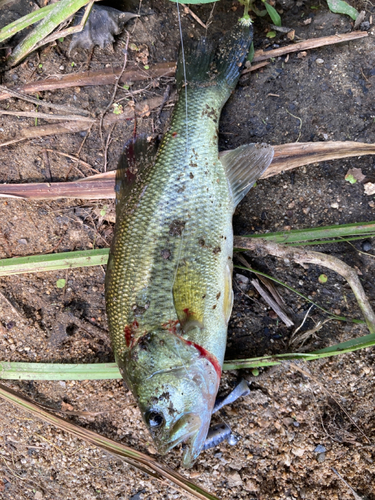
{"points": [[191, 431]]}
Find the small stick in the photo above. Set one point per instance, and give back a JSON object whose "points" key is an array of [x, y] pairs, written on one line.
{"points": [[74, 158], [272, 303], [357, 497], [312, 43], [47, 116], [305, 256], [42, 102], [194, 16], [105, 145]]}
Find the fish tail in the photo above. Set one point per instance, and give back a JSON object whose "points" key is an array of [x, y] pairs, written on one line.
{"points": [[202, 63]]}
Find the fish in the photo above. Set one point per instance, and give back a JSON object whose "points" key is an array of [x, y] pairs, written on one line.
{"points": [[169, 290]]}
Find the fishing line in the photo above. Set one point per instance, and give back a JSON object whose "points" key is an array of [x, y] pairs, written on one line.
{"points": [[184, 68]]}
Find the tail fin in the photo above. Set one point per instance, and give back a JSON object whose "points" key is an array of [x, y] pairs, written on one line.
{"points": [[207, 64]]}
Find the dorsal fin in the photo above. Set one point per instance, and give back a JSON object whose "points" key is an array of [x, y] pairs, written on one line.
{"points": [[138, 155], [244, 166]]}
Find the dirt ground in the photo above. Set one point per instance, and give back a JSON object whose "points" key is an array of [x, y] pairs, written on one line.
{"points": [[295, 430]]}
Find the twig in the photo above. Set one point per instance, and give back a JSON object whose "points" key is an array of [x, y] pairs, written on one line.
{"points": [[276, 303], [42, 102], [309, 375], [105, 144], [357, 497], [303, 322], [305, 256], [74, 158], [194, 16], [267, 297], [106, 76], [287, 157], [47, 116], [312, 43]]}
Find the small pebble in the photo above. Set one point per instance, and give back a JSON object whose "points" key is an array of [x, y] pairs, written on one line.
{"points": [[321, 457], [320, 61], [320, 449], [366, 246]]}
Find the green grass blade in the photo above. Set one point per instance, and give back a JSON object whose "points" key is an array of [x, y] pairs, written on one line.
{"points": [[104, 371], [47, 371], [53, 261], [24, 22], [62, 11], [67, 260], [303, 236]]}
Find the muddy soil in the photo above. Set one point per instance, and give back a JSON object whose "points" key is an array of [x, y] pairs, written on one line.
{"points": [[295, 429]]}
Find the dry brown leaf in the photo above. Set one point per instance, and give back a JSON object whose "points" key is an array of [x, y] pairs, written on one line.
{"points": [[355, 173]]}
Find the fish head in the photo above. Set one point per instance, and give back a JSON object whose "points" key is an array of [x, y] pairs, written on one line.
{"points": [[175, 386]]}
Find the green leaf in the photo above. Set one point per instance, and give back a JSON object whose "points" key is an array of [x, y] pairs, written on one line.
{"points": [[103, 211], [250, 55], [271, 34], [60, 283], [350, 179], [274, 15], [341, 7], [22, 23], [323, 278]]}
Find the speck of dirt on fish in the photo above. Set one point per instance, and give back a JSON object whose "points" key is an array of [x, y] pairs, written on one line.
{"points": [[176, 227], [166, 254], [216, 250]]}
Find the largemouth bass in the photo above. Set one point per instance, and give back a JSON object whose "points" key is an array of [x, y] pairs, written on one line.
{"points": [[169, 277]]}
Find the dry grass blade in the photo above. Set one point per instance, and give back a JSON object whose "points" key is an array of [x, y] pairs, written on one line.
{"points": [[287, 156], [272, 303], [276, 302], [135, 458], [312, 43], [107, 76], [297, 154], [357, 497]]}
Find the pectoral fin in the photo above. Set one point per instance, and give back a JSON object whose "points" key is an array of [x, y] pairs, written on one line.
{"points": [[189, 297], [244, 166]]}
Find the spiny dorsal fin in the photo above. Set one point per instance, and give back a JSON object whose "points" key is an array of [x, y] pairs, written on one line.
{"points": [[138, 155], [244, 166]]}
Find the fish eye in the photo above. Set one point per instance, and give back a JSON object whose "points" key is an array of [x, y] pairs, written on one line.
{"points": [[154, 418]]}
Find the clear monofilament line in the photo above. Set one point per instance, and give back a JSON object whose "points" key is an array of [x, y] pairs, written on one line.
{"points": [[184, 67]]}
